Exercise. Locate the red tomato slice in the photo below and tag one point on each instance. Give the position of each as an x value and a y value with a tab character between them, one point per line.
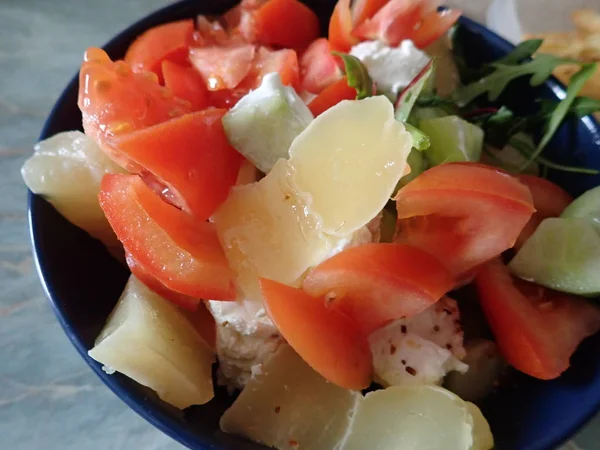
549	199
463	213
190	156
222	67
433	26
393	23
376	283
182	253
318	67
331	96
286	23
155	285
168	42
186	83
114	101
226	98
284	62
340	27
537	330
365	9
325	338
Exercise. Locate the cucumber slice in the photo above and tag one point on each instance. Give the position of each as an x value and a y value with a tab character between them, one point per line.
586	206
452	139
264	123
562	254
419	114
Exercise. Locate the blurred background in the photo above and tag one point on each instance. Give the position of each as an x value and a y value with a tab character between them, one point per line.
49	399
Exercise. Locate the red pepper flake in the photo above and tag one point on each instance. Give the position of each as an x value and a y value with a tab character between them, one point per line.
436	328
277	409
392	349
294	443
410	370
449	346
403	329
403	362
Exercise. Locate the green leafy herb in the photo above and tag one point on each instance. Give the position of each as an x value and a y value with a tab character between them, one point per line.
561	110
411	93
435	101
420	139
581	107
523	143
539	69
358	75
521	52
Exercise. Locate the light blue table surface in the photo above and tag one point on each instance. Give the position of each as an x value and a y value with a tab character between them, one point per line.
49	399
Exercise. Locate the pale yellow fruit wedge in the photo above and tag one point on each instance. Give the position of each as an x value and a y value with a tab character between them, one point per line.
347	162
265	233
151	341
289	406
482	434
411	418
67	169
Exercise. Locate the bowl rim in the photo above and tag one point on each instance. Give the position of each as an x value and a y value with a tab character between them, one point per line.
155	415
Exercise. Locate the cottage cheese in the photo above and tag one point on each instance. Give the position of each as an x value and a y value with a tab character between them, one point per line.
419	350
391	68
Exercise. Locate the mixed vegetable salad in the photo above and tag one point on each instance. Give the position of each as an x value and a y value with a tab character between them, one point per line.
352	227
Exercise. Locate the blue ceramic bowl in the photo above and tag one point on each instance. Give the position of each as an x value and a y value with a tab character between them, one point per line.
83	282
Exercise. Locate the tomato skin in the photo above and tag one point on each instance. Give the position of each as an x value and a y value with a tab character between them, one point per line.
155	285
376	283
324	337
180	252
186	84
340	28
433	26
286	24
549	199
391	24
318	67
536	329
115	101
284	62
463	213
365	9
223	67
331	96
168	42
190	155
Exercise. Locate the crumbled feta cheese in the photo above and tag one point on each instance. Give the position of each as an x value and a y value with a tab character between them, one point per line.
391	68
419	350
246	337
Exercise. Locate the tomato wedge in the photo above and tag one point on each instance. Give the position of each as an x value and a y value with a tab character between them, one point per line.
222	67
376	283
324	337
393	23
190	157
115	101
340	27
463	213
318	67
331	96
140	272
365	9
185	83
286	23
168	42
284	62
180	252
433	26
537	330
549	199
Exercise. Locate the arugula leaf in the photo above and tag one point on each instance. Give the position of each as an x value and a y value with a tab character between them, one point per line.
575	85
581	107
420	139
358	75
493	84
410	94
524	50
524	144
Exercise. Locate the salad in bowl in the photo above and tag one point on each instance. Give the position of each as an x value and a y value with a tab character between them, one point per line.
355	231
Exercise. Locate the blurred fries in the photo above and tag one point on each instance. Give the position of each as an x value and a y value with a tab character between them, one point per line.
582	44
